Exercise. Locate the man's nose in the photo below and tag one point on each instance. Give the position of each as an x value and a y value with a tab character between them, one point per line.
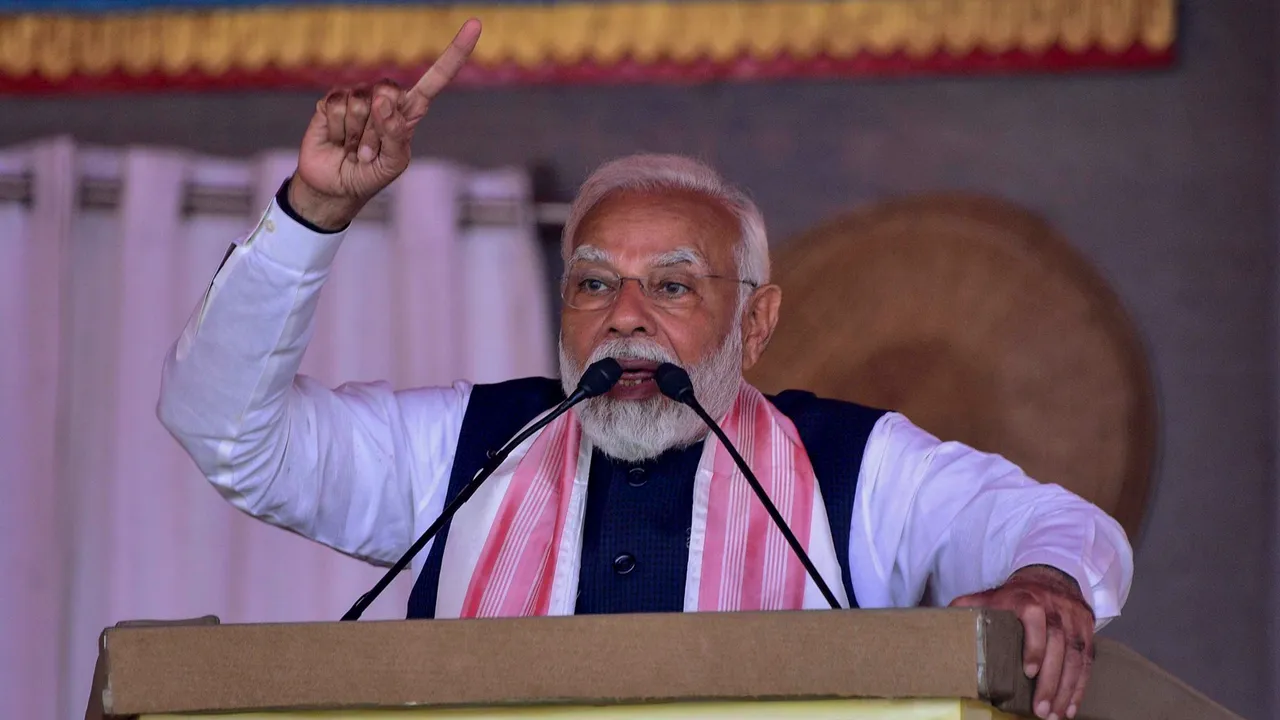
631	313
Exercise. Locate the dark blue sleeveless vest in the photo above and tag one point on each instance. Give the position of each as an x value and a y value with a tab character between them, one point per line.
636	529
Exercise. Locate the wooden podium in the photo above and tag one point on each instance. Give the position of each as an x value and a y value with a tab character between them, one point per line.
921	664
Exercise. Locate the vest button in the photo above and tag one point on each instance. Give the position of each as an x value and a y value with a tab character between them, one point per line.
636	477
624	563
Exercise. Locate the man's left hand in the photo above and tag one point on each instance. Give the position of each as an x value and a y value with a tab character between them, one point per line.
1057	626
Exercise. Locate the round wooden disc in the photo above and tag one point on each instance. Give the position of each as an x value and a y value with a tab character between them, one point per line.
975	320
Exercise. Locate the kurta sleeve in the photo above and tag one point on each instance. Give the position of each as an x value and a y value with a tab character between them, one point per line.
350	467
936	520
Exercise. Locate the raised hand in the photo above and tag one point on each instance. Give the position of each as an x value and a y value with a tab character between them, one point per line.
358	140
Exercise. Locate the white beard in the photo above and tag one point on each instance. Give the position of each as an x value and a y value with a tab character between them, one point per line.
637	430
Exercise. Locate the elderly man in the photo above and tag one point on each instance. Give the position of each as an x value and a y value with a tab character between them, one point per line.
624	504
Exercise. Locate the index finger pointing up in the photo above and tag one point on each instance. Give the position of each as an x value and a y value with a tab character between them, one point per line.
443	70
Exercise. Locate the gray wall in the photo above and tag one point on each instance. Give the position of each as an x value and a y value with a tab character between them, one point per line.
1165	180
1275	518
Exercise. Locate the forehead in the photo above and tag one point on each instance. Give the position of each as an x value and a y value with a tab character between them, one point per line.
636	226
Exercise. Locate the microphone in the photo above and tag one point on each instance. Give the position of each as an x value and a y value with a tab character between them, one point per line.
674	382
598	379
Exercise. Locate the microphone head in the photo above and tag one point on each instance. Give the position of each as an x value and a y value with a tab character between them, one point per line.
600	377
675	383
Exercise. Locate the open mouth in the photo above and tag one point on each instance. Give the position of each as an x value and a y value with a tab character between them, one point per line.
636	372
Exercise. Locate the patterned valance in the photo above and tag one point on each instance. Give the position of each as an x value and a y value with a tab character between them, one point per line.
67	45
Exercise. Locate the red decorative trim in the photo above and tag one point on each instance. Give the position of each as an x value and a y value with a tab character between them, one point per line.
1055	60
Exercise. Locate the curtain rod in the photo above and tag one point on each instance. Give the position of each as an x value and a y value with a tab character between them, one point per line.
100	194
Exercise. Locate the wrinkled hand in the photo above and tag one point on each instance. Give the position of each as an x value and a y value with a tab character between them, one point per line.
358	140
1058	634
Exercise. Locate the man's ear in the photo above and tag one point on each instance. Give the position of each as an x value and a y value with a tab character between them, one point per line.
759	319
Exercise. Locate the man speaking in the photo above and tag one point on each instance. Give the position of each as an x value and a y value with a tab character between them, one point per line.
625	503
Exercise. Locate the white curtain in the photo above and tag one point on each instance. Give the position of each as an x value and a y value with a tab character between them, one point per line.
103	255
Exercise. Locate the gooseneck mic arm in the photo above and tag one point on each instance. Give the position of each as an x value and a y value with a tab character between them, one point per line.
598	379
674	382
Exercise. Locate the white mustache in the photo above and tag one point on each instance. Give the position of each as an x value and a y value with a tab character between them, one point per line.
631	349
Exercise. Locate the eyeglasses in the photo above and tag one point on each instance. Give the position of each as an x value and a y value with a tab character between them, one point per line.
671	288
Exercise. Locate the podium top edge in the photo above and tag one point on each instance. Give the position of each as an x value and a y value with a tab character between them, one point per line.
206	666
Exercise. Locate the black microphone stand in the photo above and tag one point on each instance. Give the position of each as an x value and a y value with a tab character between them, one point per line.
597	380
675	383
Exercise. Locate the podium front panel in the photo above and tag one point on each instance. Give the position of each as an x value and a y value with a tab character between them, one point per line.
920	664
602	659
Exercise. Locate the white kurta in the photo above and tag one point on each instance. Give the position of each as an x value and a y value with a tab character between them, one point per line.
364	468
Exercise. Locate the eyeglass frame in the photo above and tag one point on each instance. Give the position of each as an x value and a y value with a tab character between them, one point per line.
622	279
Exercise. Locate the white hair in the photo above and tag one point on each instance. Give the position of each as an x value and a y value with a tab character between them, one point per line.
645	172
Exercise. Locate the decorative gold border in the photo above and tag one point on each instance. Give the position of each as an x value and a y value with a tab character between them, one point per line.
214	42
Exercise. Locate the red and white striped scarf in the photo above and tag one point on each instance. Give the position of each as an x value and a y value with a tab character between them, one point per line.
515	548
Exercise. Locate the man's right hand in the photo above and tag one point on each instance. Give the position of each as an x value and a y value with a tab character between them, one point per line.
358	139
